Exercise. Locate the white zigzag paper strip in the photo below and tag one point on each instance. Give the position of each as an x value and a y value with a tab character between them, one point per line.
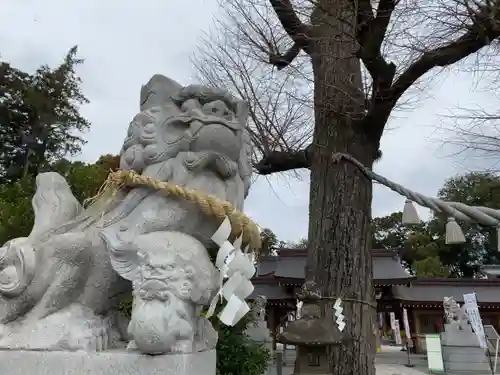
338	313
341	326
235	265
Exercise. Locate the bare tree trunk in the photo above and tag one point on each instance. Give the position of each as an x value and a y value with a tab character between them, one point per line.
339	257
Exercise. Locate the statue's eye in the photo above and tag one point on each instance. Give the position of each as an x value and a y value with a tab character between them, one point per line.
190	104
218	108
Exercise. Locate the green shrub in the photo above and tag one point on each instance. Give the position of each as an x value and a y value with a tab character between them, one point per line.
236	353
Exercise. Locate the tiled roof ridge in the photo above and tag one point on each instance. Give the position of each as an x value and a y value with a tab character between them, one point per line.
432	280
299	253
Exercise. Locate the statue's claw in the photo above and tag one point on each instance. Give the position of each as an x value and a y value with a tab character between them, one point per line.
182	346
88	332
132	346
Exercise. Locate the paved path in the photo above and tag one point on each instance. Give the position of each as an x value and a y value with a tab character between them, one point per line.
397	370
390	362
382	369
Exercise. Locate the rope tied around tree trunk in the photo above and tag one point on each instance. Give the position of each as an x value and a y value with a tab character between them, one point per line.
210	205
370	304
454	210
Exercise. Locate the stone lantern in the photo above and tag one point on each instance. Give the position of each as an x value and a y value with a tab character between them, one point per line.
311	334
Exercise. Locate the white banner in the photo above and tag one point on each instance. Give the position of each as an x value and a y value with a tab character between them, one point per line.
407	324
299	309
395	328
470	303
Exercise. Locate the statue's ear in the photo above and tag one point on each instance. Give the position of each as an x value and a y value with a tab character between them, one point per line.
158	91
123	253
242	112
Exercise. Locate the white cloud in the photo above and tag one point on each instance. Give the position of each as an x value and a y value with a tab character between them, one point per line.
124	43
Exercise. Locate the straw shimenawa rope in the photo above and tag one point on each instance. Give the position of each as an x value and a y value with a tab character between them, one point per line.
460	211
209	204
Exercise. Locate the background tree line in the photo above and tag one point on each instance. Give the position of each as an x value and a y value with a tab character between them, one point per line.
41	126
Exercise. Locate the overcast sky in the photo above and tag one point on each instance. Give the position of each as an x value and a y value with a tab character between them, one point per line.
125	42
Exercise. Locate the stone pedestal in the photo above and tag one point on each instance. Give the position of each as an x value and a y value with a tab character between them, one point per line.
18	362
261	334
462	353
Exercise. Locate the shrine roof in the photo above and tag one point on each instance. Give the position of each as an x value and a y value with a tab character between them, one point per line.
290	264
434	289
271	292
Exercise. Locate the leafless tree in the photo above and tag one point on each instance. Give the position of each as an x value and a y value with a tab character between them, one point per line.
356	60
280	103
474	132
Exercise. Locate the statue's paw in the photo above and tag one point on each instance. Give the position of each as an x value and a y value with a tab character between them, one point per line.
75	328
182	346
206	336
4	330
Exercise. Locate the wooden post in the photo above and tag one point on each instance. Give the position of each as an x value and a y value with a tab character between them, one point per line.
279	359
416	323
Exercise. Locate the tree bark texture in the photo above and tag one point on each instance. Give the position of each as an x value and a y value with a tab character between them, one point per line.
339	257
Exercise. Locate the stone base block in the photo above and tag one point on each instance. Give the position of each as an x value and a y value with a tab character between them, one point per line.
459	338
463	360
18	362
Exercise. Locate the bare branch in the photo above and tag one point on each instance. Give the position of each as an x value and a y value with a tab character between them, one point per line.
476	37
472	134
293	26
282	61
370	35
278	161
280	104
439	57
296	30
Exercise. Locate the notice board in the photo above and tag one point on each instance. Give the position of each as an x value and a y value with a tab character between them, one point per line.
434	354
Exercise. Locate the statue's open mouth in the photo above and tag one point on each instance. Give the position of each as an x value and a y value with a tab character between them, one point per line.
191	124
206	120
154	289
154	283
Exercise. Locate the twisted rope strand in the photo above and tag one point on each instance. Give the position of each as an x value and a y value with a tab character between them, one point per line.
460	211
210	205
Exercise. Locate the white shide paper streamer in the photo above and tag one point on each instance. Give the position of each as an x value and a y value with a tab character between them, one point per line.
338	313
235	265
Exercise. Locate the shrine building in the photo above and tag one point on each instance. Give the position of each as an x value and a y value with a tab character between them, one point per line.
278	278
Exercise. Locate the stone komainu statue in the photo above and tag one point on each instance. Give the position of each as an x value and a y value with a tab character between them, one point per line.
60	286
455	315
